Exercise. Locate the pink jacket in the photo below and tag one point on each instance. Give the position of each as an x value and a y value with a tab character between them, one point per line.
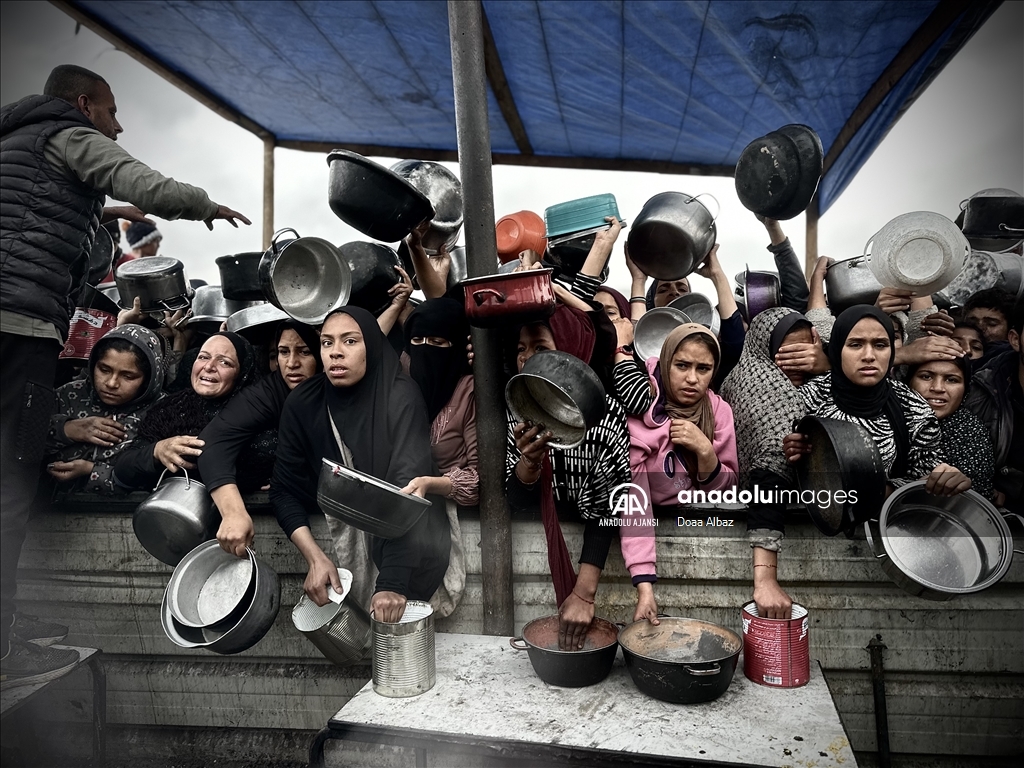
660	473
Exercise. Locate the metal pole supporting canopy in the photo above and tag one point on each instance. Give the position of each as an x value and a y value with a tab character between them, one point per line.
465	23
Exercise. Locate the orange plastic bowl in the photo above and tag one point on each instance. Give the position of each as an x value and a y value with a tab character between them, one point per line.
519	232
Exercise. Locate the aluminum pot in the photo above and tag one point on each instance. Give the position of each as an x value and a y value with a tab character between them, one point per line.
374	271
938	547
159	282
683	661
210	588
444	191
699	309
259	616
459	270
499	300
366	503
374	200
175	519
340	630
843	459
652	329
209	305
240	276
306	277
672	235
984	270
245	320
560	392
851	282
569	669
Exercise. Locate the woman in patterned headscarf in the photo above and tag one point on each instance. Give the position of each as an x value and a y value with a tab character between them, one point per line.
98	415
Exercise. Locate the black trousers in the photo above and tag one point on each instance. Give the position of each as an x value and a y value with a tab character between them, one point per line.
26	404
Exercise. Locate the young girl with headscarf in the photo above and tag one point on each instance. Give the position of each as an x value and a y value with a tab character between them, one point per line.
168	437
365	413
253	416
859	389
575	482
98	416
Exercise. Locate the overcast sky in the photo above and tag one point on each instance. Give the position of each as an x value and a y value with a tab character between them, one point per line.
965	133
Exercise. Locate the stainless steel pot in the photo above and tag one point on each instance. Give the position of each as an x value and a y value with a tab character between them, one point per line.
366	503
210	587
259	616
699	309
984	270
175	519
569	669
255	316
851	282
559	391
444	191
938	547
159	282
210	306
672	235
458	271
652	329
306	277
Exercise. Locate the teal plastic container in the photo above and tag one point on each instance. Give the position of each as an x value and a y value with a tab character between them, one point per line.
579	215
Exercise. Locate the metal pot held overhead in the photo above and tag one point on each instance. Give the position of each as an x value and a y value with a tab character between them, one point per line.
672	235
851	282
444	191
306	277
159	282
374	271
240	276
506	299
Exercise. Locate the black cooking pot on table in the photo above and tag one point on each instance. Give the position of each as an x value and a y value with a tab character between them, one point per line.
843	458
683	661
240	276
569	669
777	174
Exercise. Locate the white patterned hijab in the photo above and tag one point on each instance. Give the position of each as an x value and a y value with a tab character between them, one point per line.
764	401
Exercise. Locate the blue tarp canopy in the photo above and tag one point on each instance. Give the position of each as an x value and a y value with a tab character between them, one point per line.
643	85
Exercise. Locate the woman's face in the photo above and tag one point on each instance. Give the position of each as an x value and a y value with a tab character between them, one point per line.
295	360
866	353
343	350
533	339
117	378
216	368
608	302
690	374
801	335
941	384
670	290
430	341
970	341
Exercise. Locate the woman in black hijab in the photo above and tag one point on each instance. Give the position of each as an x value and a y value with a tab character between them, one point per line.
168	437
254	416
365	413
859	389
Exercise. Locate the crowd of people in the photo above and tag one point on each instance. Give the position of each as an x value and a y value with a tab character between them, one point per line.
938	391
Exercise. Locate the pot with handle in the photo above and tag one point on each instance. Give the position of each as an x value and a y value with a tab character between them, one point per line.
307	277
851	282
499	300
176	518
240	276
672	235
569	669
374	271
159	282
444	191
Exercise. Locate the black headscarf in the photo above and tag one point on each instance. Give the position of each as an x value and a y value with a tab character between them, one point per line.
792	321
437	370
309	335
868	402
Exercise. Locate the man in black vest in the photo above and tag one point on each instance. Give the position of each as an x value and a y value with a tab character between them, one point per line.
59	160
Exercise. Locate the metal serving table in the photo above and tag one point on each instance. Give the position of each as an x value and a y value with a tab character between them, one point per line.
489	703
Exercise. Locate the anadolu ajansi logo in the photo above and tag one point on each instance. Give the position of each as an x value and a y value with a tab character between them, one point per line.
627	499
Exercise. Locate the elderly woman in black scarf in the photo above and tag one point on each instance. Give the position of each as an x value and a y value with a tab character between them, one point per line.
365	413
168	438
859	389
253	416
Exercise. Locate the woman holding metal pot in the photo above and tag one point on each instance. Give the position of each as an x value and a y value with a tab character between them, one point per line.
859	389
362	412
574	483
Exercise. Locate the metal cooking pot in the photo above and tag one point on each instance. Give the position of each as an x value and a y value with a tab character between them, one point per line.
843	458
938	547
458	271
444	191
559	391
652	329
240	276
672	235
306	277
366	503
569	669
101	256
759	291
851	282
508	299
683	661
376	201
210	588
777	175
373	268
176	518
699	309
257	619
245	320
993	220
984	270
568	254
209	305
159	282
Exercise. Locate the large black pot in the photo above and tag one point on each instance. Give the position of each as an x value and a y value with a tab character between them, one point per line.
376	201
683	661
240	276
843	458
101	257
777	174
569	669
373	267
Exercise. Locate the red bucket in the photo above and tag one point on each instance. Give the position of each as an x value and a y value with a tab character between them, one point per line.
776	652
87	327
